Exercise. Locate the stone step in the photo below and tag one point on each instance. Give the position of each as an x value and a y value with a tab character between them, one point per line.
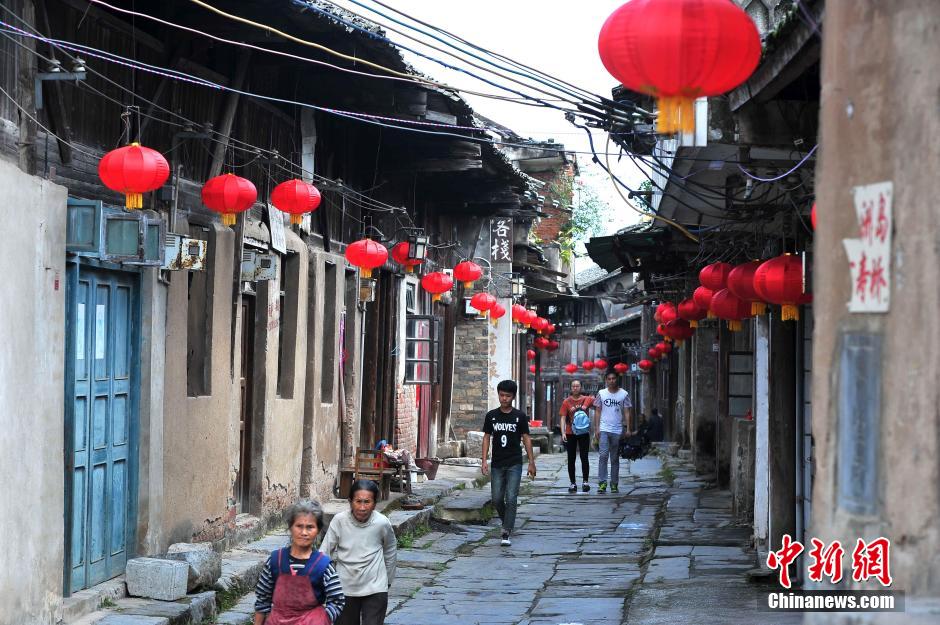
466	506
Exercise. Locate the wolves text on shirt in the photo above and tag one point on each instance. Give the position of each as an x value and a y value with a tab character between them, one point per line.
505	427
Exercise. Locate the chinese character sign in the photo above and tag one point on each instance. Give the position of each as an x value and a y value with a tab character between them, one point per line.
501	240
870	254
870	560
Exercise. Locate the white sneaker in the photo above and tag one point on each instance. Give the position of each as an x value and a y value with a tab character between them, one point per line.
505	542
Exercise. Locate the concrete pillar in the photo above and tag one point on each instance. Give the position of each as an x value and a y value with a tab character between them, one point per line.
762	434
684	395
704	397
782	431
647	381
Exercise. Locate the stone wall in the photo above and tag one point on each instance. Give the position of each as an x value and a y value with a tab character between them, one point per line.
471	375
406	422
743	450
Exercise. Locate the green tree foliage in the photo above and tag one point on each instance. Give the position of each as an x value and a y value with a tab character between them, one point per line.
585	219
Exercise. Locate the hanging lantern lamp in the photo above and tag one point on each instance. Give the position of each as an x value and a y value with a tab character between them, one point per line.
530	317
400	254
518	313
588	365
731	308
437	283
690	311
530	354
540	342
600	364
482	302
531	368
653	353
645	365
812	215
664	347
715	276
679	50
571	367
365	254
667	312
229	195
468	272
741	284
496	313
553	345
702	296
550	329
780	281
621	368
679	330
133	170
297	198
540	324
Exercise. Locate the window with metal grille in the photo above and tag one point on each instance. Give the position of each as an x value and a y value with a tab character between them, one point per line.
422	349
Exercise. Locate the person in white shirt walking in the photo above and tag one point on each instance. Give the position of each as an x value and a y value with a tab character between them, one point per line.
362	543
616	418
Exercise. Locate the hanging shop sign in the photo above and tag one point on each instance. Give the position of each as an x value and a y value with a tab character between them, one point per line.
870	254
501	240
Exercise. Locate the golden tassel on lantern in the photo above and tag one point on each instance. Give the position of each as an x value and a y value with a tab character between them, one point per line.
676	114
790	312
228	219
693	324
711	315
734	325
758	308
134	201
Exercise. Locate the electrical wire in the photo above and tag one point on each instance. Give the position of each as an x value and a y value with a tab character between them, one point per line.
781	176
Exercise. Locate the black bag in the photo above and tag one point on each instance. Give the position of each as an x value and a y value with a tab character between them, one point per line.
636	446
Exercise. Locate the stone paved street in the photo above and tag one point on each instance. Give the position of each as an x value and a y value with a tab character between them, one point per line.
651	554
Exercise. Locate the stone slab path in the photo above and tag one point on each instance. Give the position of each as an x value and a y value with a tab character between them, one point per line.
654	553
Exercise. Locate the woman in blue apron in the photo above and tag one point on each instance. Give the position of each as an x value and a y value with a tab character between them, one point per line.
298	585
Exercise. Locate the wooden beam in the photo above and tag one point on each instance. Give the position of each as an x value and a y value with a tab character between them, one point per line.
228	115
55	109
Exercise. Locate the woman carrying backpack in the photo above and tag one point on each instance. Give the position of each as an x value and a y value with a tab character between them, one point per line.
576	432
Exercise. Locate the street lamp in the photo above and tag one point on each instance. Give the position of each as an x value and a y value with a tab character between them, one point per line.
517	286
417	246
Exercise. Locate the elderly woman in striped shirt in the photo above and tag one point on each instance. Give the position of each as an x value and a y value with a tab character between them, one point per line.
299	585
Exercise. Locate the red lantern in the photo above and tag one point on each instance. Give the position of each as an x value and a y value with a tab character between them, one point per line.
531	368
467	272
726	305
437	283
365	254
690	311
518	313
297	198
133	170
715	276
667	312
571	367
812	215
645	365
530	354
400	256
679	330
664	347
679	50
653	353
600	363
482	302
588	365
741	284
550	329
530	317
553	345
496	312
229	195
540	324
702	296
621	368
780	281
540	342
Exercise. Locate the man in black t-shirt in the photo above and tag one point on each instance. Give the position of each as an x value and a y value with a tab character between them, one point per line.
506	427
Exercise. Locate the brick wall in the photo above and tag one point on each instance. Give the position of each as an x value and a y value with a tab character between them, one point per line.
406	421
470	399
557	187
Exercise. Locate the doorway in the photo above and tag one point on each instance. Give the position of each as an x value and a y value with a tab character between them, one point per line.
101	423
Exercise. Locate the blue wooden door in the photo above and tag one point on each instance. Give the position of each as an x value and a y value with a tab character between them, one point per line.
101	423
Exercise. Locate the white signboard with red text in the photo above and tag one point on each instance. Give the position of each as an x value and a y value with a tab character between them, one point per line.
870	254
